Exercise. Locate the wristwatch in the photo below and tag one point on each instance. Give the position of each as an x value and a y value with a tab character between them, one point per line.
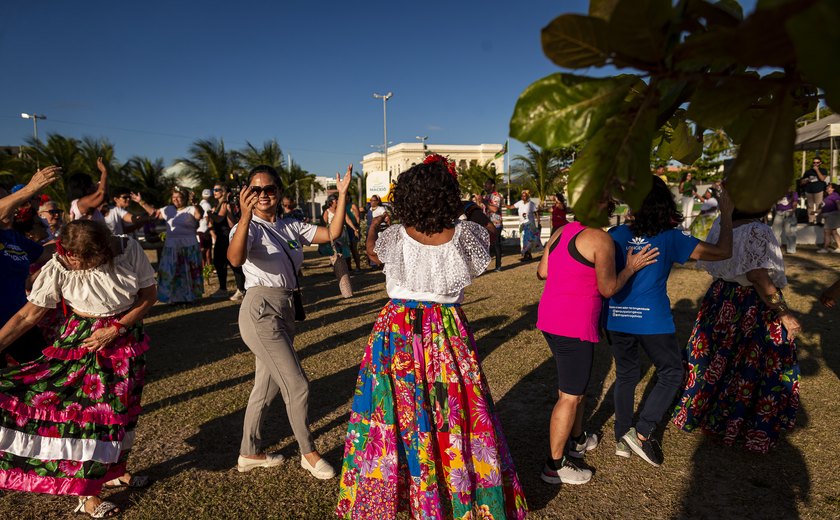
121	329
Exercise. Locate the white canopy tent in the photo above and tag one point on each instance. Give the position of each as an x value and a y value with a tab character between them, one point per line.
823	134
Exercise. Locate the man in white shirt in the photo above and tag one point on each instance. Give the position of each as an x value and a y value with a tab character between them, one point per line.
529	232
204	232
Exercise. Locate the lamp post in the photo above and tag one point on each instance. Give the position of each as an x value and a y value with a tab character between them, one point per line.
384	98
34	118
422	139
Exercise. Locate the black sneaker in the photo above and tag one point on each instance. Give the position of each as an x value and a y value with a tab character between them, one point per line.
648	449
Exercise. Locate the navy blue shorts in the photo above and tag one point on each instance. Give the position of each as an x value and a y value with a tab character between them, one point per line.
573	357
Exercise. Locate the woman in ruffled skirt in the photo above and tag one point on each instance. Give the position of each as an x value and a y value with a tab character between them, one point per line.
742	376
423	434
67	418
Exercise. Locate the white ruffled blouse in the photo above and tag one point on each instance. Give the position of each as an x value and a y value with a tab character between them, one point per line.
754	246
436	273
99	291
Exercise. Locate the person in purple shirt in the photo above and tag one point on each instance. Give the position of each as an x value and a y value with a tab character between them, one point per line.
786	212
830	214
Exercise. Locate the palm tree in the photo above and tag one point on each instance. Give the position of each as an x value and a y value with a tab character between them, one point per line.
147	177
543	169
270	154
298	182
209	162
473	177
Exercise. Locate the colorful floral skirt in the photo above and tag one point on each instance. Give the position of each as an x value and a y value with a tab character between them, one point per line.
180	276
423	434
742	378
530	237
67	418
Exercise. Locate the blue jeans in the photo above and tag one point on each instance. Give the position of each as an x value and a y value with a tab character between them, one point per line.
664	352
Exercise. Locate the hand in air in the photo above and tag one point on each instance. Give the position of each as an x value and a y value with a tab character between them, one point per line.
342	185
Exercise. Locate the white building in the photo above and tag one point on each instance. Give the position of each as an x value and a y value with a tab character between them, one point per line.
403	156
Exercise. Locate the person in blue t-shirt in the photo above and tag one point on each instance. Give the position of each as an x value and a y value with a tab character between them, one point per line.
640	314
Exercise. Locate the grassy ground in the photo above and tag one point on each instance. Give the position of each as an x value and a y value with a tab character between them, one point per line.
201	375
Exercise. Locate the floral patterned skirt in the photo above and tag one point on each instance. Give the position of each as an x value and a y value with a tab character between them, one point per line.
180	276
742	377
423	434
67	418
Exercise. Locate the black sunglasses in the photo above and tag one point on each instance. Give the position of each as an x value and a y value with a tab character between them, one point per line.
53	211
270	190
217	189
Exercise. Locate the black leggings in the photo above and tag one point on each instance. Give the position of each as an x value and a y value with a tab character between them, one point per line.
220	262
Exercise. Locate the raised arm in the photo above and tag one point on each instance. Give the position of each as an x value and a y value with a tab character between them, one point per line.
237	251
723	248
150	210
323	234
40	180
89	202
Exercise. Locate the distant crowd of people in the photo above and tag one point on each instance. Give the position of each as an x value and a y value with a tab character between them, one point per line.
423	434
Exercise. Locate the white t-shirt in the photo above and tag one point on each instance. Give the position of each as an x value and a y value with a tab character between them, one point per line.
202	224
526	211
75	214
114	220
377	211
267	265
180	226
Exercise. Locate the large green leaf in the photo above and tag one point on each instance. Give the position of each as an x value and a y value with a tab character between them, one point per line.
575	41
727	13
615	162
563	109
715	104
816	34
602	9
763	170
684	146
636	29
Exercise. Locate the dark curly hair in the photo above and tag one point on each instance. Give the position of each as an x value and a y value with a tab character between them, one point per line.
88	240
658	212
427	197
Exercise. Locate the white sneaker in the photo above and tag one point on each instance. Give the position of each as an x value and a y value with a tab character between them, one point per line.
246	464
322	469
577	451
822	250
568	474
237	296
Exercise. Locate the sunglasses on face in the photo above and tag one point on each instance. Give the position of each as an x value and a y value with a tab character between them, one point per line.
270	190
53	211
217	189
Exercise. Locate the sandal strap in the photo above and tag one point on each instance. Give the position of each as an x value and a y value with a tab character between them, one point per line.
103	509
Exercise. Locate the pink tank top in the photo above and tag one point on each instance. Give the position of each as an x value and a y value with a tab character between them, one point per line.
571	304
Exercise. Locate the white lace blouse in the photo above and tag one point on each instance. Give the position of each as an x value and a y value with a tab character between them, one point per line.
437	273
99	291
754	246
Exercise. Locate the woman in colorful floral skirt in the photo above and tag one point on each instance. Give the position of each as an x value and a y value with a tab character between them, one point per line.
180	277
742	377
423	433
67	418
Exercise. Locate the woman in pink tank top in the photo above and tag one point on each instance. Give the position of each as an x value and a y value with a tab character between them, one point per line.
579	268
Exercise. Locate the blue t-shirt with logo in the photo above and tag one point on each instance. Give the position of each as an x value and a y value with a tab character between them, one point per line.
643	306
16	253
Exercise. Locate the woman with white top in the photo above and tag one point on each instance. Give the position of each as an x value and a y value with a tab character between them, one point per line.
423	432
742	376
67	418
270	251
180	276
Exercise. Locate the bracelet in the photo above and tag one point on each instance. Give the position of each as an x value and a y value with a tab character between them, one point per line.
781	309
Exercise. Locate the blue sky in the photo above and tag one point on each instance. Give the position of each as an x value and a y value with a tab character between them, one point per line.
154	76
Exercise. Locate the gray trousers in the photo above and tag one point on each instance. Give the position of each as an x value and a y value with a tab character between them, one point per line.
266	323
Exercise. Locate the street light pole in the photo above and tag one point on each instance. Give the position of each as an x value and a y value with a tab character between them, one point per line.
422	139
34	118
384	98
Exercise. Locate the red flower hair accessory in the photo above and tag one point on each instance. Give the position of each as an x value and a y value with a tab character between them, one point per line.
437	158
59	248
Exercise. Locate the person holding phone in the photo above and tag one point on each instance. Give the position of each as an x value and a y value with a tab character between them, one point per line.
270	251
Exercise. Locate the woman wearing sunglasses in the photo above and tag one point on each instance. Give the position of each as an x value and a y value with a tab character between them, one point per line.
270	251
